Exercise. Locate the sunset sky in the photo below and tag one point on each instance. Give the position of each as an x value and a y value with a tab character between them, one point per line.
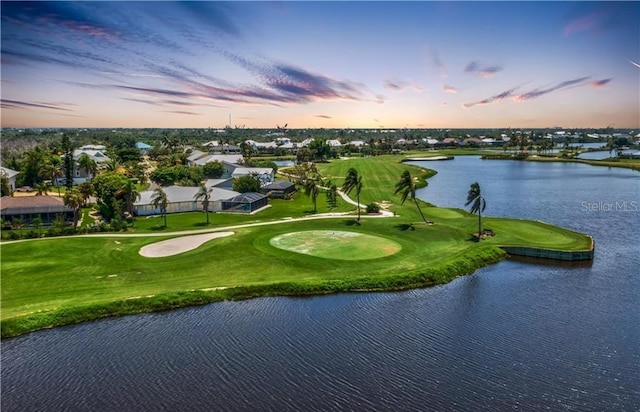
321	64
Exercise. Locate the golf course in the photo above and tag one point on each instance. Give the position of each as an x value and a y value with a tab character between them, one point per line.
283	250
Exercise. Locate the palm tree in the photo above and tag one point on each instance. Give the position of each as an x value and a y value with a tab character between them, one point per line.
478	204
112	165
353	181
86	189
130	194
52	169
407	187
74	199
204	194
88	164
159	199
311	189
37	222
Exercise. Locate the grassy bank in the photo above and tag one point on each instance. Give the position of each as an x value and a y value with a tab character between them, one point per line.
51	282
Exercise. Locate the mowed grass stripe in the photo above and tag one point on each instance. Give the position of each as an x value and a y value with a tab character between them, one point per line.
336	244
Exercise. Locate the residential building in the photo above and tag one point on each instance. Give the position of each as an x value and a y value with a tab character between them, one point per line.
11	176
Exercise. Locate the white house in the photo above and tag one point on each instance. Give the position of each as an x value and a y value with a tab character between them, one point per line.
11	176
264	174
334	143
182	199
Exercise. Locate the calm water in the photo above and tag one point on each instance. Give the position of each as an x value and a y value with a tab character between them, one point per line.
512	336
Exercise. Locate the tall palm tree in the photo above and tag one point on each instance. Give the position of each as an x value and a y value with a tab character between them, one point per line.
74	199
353	181
52	169
407	187
204	194
88	164
477	202
311	189
159	199
130	194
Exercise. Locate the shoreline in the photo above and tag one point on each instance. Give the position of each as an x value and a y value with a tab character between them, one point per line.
443	273
458	264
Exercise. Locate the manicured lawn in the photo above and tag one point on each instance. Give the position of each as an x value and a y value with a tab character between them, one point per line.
56	281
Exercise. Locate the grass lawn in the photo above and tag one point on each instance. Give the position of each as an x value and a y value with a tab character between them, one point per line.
54	281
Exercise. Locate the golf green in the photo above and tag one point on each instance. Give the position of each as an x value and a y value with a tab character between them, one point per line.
336	244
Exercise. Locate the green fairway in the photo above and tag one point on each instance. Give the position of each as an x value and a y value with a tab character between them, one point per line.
279	251
336	245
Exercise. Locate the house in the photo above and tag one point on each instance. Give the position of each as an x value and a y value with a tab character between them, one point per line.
181	199
195	156
10	175
230	162
27	208
280	189
334	143
80	175
245	203
143	147
221	183
264	174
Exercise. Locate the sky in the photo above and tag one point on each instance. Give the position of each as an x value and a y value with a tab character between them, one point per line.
320	64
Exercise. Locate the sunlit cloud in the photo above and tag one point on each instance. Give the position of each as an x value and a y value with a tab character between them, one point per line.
449	89
635	64
476	69
182	112
17	104
534	94
583	23
600	83
492	99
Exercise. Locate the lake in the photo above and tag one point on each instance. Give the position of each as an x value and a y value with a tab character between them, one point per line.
512	336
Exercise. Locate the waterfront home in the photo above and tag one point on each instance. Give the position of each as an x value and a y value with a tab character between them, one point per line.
27	208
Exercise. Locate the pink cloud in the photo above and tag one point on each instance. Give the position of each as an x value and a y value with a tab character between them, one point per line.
583	23
600	83
449	89
492	99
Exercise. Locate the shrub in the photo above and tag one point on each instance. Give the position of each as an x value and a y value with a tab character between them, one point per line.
373	208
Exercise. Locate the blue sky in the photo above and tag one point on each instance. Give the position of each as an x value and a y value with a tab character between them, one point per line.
321	64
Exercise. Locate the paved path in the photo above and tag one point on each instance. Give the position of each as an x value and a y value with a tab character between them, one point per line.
335	215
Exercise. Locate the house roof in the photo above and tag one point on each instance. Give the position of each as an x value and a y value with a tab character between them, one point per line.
32	205
96	155
230	159
8	172
218	182
141	145
195	155
248	197
279	185
180	194
241	171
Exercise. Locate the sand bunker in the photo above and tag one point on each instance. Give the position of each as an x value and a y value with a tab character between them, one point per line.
179	245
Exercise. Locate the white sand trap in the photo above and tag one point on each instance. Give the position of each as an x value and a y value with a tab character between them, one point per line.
178	245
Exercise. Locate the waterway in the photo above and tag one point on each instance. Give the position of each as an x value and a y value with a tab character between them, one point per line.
512	336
